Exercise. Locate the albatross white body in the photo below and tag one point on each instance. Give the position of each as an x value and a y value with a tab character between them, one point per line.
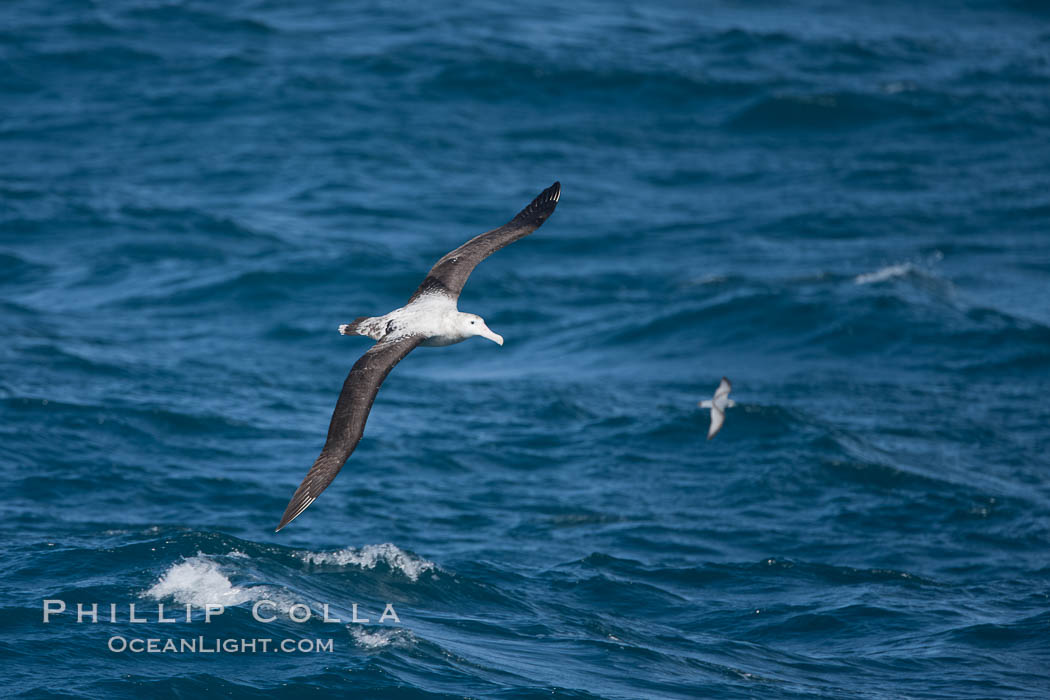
431	317
434	316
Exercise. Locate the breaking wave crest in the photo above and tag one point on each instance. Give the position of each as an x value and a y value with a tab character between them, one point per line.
884	273
372	555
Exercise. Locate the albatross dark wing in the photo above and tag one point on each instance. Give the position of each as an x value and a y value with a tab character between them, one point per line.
451	272
348	420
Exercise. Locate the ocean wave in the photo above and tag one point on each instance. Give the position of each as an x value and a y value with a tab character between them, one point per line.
884	273
374	639
819	111
98	57
198	18
198	581
261	283
923	275
16	269
370	556
722	573
576	82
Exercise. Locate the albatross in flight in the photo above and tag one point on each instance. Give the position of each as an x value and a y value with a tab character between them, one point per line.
718	406
430	317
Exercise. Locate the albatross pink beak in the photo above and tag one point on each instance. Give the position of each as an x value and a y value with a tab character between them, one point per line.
494	337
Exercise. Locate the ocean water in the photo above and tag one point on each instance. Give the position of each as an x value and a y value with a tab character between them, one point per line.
845	210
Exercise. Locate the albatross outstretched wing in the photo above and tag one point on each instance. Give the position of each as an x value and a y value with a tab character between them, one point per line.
348	420
724	387
718	417
450	273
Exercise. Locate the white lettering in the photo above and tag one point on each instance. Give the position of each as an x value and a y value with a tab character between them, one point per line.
212	609
93	613
160	614
291	613
326	618
50	609
260	618
389	614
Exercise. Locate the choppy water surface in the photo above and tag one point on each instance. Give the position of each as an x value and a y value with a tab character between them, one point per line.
843	210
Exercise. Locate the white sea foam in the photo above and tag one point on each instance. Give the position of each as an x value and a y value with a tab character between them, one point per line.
368	556
202	580
885	273
198	581
377	639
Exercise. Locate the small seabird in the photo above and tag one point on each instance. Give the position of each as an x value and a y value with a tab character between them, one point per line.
718	406
430	317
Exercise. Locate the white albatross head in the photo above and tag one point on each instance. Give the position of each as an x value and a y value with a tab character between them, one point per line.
472	325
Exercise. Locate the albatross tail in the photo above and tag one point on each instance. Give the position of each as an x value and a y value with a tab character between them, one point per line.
355	326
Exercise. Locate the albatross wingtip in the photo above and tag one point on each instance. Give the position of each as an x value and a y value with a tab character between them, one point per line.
299	503
540	208
553	193
284	521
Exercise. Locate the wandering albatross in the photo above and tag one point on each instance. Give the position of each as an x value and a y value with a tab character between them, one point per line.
430	317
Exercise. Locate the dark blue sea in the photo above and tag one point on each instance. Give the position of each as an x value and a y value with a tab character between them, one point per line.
843	208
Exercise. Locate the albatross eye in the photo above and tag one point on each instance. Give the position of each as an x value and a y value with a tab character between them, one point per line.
472	323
